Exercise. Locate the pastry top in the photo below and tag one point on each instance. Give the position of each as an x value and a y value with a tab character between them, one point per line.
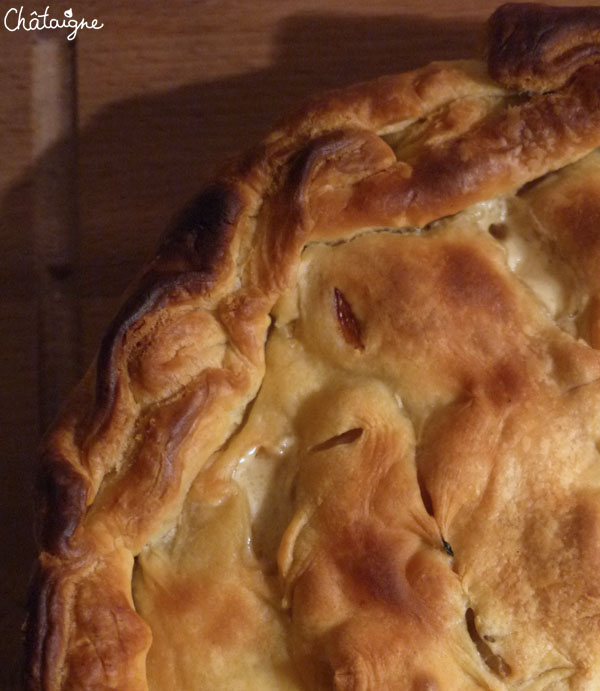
343	433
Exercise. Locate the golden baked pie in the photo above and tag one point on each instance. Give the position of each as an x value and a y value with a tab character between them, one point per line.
345	432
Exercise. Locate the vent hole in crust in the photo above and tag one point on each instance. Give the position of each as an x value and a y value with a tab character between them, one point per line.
425	496
347	437
498	231
349	324
448	547
495	662
532	183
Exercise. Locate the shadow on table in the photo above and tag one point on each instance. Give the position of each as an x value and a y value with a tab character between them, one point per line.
139	161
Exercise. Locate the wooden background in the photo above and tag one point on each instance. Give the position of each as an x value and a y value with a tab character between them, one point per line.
102	142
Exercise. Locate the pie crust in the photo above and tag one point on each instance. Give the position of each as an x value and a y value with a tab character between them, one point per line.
344	433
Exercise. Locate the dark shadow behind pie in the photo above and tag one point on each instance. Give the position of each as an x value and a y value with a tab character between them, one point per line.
344	432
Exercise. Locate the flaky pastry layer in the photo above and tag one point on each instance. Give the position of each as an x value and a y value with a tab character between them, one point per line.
344	432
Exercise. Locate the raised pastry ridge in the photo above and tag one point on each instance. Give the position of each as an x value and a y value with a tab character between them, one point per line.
148	438
535	47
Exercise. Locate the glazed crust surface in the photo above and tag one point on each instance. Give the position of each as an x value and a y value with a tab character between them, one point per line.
344	431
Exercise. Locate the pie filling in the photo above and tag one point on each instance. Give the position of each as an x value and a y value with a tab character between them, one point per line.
372	523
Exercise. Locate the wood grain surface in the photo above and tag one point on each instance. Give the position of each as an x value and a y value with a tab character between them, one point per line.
101	142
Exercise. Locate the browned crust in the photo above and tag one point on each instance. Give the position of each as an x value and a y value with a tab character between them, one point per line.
38	641
189	259
62	492
537	47
504	151
324	171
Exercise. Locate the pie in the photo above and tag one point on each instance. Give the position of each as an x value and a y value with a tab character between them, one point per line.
345	431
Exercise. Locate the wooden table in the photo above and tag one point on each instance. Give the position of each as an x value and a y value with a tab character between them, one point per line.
103	140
